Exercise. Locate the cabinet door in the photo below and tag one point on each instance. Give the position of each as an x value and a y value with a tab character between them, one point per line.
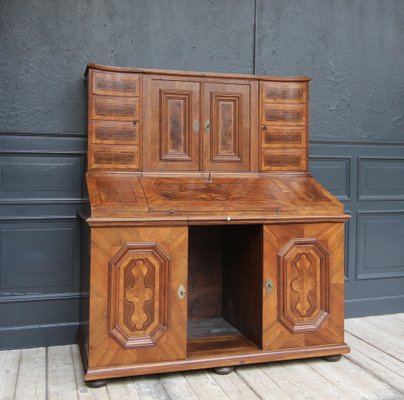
173	125
226	127
138	308
303	285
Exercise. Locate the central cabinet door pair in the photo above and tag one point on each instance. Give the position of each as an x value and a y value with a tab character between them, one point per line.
281	296
197	125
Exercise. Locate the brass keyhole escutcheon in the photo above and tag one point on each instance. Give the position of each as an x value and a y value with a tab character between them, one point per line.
207	126
269	285
181	292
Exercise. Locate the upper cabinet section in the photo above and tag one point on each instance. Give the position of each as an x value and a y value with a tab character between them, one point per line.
148	120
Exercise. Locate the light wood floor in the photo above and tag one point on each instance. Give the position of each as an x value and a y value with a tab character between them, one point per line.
374	370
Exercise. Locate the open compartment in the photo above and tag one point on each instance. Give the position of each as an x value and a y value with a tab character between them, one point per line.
225	289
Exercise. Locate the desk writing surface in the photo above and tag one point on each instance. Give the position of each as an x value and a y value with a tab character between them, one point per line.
146	196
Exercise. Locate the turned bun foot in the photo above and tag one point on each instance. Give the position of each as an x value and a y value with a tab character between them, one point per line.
97	383
333	358
223	370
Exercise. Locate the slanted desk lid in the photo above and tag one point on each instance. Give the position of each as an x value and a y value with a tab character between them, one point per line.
145	197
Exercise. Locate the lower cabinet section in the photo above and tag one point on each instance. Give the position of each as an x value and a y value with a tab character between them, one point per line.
176	298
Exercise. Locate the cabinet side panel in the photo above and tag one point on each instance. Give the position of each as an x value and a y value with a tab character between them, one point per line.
84	282
242	280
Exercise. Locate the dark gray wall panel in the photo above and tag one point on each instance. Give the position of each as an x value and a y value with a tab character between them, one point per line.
374	255
38	257
45	46
380	244
33	177
381	178
353	50
41	181
335	171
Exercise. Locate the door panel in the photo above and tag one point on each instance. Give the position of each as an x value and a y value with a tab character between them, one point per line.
136	314
174	125
305	264
227	123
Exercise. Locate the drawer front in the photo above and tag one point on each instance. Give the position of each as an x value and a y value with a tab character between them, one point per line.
115	132
115	157
117	108
281	114
282	136
284	92
283	159
115	84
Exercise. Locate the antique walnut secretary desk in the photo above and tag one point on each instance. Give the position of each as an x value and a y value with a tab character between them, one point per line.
210	243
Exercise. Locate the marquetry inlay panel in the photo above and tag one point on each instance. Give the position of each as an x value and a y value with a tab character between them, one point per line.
175	126
226	127
137	306
304	285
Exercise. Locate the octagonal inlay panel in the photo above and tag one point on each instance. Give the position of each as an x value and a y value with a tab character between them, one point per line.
137	304
303	285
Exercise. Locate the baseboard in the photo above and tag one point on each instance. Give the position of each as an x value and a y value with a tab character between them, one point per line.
19	337
374	306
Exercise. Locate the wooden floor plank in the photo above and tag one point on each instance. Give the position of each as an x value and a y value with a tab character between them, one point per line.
150	388
177	387
234	387
394	327
376	362
122	389
31	381
261	383
315	382
355	382
61	382
373	370
9	366
376	336
399	316
84	392
204	386
293	385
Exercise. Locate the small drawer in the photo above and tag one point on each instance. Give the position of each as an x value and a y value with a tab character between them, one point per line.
284	114
117	108
114	157
281	136
115	84
283	159
284	92
115	132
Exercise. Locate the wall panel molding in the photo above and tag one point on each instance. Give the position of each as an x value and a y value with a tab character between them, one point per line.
380	250
380	178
